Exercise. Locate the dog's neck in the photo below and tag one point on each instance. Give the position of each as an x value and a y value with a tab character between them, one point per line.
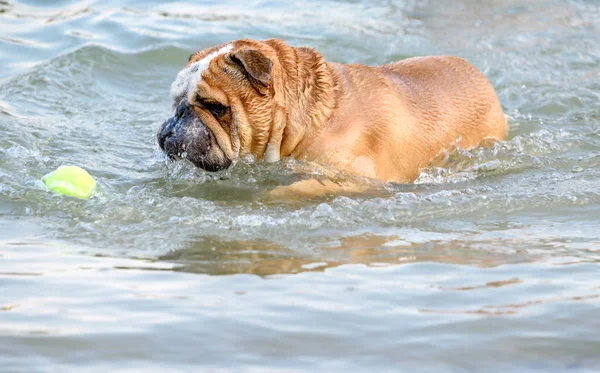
305	101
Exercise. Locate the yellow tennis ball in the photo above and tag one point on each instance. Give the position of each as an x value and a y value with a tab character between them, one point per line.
71	180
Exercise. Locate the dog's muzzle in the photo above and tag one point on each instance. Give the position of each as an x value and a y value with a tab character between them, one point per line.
185	136
172	131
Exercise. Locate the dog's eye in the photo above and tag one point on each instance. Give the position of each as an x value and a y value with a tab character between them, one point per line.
215	108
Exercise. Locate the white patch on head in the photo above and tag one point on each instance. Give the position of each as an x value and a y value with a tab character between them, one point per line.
189	77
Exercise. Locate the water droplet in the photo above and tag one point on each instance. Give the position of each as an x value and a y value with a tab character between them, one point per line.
323	210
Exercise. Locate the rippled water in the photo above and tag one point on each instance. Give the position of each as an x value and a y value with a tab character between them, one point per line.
489	264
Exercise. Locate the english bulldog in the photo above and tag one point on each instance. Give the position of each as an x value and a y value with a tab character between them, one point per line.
272	100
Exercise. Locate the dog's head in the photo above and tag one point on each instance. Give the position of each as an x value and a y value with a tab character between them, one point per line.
223	105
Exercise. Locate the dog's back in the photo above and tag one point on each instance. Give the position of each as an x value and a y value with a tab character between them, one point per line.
396	118
449	96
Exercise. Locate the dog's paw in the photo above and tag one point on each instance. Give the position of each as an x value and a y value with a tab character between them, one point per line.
312	188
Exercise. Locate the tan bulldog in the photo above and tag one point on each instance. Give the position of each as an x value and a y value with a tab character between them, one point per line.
271	100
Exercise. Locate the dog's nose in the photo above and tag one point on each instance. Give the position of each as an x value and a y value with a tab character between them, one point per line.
166	135
166	132
182	110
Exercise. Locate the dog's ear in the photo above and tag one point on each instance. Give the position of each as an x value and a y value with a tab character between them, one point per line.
256	66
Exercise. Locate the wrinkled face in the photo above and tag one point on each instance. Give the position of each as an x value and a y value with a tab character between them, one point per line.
221	107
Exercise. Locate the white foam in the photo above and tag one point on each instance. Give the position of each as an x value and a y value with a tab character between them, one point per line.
189	77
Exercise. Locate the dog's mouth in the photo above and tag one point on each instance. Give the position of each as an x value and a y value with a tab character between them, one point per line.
184	136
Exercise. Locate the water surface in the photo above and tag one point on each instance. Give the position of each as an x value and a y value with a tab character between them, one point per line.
490	264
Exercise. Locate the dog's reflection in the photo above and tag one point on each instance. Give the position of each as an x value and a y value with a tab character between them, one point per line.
214	256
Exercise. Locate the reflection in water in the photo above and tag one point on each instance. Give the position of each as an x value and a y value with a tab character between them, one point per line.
215	256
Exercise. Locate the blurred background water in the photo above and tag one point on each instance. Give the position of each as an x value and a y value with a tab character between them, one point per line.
488	265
